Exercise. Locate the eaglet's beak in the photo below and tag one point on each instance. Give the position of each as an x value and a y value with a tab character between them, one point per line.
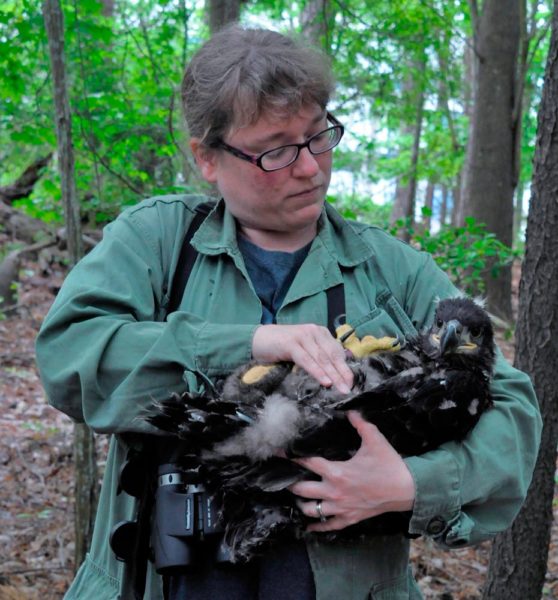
451	337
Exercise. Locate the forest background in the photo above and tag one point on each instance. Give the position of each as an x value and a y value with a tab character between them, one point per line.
439	100
415	78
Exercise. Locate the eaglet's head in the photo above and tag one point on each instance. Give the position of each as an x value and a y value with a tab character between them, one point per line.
462	328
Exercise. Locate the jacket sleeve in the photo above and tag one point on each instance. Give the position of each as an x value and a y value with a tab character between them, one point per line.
472	490
104	352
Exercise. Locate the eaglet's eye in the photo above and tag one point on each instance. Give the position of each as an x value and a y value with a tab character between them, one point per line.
475	331
439	323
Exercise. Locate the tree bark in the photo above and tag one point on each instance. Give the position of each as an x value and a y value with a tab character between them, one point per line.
444	106
85	490
429	205
9	276
222	12
405	193
444	206
518	211
519	556
55	30
108	8
457	218
314	21
490	167
469	75
84	445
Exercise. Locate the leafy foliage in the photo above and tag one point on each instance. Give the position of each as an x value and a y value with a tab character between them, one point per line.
464	253
125	60
362	208
124	69
25	113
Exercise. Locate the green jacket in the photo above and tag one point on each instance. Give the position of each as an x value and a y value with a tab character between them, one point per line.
105	352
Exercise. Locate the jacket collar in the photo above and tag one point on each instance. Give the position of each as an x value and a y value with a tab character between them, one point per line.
337	240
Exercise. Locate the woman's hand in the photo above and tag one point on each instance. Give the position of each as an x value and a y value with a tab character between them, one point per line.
309	346
375	480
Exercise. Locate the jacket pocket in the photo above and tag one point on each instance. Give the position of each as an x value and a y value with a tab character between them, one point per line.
396	312
386	319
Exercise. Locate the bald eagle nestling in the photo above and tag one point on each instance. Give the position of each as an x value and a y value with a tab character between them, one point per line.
431	391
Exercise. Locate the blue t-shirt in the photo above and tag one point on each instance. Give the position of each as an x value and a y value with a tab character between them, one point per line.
271	273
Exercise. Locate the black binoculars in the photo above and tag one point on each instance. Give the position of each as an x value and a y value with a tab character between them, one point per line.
184	528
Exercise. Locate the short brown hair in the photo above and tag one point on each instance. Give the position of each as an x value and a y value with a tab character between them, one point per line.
239	74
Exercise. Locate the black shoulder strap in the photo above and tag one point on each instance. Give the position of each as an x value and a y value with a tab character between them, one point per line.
187	257
335	306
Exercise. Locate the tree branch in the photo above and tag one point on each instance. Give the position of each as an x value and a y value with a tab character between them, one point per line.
23	185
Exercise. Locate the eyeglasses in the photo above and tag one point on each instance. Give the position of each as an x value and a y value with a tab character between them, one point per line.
283	156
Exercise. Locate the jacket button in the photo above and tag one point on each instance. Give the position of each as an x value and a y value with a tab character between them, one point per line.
436	526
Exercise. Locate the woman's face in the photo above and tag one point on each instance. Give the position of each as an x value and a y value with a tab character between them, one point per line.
277	210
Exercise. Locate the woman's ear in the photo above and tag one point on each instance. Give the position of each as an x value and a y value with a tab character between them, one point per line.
206	159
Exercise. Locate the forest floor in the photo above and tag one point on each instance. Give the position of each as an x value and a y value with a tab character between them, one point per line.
36	512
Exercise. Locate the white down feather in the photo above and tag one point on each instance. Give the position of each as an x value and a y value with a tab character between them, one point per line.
275	427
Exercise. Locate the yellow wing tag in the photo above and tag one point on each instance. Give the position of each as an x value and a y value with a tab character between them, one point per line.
368	344
256	373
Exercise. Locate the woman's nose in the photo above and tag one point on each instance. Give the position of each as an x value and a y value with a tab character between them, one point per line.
306	164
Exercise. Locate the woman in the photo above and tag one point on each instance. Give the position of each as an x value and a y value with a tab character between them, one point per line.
256	107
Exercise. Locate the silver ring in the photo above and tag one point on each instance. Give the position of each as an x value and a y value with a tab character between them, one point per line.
323	518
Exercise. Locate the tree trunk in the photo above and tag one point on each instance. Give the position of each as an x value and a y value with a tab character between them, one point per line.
428	205
314	21
84	445
405	194
222	12
85	490
469	77
444	206
55	30
518	211
489	173
457	218
427	209
444	106
519	556
9	276
108	8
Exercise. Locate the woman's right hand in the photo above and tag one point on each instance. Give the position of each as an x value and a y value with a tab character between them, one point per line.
311	347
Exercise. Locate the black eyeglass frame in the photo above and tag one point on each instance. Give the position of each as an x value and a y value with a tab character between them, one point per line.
257	159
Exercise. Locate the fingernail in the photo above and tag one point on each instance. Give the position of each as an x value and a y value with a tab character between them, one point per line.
344	388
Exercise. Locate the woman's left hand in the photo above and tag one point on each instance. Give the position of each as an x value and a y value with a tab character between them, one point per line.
375	480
